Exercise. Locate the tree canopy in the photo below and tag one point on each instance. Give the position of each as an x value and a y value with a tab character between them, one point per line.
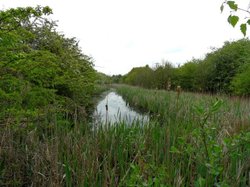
224	70
40	69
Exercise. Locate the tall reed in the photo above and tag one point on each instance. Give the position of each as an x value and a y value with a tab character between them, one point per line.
168	151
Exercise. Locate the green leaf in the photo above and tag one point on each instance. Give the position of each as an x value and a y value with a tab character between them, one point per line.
232	5
248	22
199	110
200	182
233	20
216	105
243	28
222	7
173	149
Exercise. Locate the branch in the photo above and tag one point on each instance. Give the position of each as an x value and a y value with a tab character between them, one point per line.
244	10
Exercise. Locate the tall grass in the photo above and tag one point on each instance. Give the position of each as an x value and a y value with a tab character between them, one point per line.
206	138
169	151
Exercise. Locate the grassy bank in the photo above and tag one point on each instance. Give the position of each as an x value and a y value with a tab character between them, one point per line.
193	140
199	139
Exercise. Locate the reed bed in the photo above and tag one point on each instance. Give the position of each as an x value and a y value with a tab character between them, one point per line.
206	138
195	140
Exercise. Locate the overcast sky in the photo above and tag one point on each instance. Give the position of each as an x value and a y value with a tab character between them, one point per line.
122	34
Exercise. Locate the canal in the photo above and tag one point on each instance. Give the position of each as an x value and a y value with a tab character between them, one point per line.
113	109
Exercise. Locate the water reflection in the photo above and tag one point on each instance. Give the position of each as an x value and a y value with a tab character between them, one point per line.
113	109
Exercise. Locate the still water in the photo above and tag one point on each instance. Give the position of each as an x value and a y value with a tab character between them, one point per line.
114	109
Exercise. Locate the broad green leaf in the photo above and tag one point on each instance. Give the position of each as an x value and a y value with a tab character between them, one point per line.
243	28
232	5
248	22
233	20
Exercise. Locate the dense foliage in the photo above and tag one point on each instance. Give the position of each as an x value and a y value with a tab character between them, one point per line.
224	70
41	71
47	87
197	140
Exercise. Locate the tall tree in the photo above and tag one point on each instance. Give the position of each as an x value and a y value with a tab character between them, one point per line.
42	67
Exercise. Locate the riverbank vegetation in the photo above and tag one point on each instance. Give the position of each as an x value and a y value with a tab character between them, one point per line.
224	70
198	140
45	82
43	74
191	140
47	91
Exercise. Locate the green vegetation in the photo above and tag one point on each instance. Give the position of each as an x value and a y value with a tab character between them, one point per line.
197	140
224	70
47	91
234	16
46	83
192	140
42	73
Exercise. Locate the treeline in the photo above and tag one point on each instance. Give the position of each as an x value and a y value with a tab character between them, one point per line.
224	70
43	74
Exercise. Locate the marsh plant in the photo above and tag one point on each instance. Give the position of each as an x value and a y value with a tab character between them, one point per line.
204	142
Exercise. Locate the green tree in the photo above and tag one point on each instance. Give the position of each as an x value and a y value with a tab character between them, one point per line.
163	75
223	64
40	68
241	82
187	76
140	76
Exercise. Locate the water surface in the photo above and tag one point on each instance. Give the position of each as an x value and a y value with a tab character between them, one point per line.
114	109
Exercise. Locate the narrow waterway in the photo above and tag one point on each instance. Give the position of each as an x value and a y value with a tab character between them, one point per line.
113	109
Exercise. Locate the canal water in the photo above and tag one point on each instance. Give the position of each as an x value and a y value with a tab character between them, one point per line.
113	109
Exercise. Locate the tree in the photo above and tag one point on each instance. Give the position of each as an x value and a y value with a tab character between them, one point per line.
140	76
163	75
222	65
187	76
241	82
40	68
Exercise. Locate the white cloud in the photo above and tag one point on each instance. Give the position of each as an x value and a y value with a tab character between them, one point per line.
121	34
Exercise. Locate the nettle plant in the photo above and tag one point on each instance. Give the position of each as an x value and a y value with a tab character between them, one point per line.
234	17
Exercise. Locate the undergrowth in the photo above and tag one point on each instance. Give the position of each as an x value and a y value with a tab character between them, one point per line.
197	140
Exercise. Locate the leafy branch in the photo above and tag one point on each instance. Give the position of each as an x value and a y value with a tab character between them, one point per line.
204	115
233	19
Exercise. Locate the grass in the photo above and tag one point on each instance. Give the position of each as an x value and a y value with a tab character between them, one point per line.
195	140
201	132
